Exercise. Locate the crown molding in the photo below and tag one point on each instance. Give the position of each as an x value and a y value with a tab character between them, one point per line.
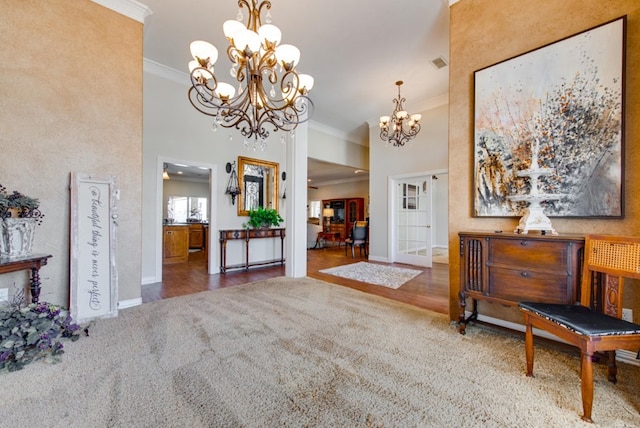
160	70
341	181
129	8
325	129
434	102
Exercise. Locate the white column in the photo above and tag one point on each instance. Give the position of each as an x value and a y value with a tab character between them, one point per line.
296	203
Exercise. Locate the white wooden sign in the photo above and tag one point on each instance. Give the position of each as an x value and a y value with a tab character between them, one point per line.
94	279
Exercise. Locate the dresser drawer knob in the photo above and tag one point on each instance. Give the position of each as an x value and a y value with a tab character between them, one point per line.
524	274
524	243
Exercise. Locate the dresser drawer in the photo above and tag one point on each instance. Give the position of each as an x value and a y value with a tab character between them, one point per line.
529	253
519	285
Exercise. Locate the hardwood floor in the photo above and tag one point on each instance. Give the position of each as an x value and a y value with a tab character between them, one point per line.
429	290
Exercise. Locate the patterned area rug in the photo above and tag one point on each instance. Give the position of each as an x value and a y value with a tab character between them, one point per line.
387	276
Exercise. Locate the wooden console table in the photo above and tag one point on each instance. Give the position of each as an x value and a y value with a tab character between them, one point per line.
33	262
508	268
247	235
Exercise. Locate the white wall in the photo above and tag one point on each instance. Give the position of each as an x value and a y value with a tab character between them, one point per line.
427	152
440	205
336	148
174	130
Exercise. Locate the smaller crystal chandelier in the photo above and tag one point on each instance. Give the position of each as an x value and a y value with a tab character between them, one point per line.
270	92
403	126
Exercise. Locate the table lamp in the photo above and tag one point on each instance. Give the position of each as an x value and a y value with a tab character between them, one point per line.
327	213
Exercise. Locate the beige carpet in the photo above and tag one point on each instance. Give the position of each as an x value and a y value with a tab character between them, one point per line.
387	276
289	352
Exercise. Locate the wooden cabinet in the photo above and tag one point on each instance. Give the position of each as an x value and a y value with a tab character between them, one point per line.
196	236
508	268
345	213
175	244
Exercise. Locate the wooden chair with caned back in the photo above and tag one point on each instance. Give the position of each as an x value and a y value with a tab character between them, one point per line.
594	325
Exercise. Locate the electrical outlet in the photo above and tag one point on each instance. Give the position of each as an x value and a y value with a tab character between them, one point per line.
4	295
627	314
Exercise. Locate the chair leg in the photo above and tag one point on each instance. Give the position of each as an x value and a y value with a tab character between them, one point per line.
612	368
586	381
528	348
353	251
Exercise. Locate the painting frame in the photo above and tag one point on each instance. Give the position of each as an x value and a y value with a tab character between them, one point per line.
565	102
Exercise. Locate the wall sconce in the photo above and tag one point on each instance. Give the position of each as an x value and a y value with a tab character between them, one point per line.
165	175
284	178
327	213
233	188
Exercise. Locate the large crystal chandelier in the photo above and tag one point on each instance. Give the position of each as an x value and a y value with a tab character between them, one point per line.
400	127
270	95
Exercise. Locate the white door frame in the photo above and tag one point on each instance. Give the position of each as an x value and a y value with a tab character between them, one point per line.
391	212
213	211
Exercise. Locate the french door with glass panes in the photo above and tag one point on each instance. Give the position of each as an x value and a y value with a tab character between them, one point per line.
412	221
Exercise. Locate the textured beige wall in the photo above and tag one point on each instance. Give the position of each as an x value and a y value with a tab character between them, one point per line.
484	32
71	100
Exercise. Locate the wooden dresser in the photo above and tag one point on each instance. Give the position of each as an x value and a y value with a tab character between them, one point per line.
508	268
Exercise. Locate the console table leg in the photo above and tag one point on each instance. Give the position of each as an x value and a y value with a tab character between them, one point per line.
35	285
223	256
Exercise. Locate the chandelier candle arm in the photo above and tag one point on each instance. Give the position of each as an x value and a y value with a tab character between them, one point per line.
400	127
270	92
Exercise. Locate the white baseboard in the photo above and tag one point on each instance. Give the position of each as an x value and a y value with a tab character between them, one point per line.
621	355
129	303
149	280
379	259
627	357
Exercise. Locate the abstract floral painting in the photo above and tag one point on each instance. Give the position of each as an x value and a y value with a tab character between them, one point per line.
566	99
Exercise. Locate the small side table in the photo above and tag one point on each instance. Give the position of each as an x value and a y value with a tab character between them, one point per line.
33	262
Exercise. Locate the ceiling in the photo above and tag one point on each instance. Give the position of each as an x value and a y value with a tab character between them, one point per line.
356	50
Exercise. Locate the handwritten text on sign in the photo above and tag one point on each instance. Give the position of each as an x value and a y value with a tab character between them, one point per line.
93	250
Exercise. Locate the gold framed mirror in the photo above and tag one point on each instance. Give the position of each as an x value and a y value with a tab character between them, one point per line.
258	180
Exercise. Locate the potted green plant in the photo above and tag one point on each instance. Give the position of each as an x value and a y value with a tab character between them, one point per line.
262	218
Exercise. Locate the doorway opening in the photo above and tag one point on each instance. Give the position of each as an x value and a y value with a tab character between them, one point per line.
187	199
418	218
